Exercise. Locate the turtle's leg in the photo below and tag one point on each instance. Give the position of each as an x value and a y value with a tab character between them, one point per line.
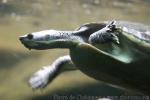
41	78
104	35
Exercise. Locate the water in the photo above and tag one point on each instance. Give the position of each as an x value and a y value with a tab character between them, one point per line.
18	17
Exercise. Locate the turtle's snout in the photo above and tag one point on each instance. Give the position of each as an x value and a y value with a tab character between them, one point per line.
29	37
22	38
25	40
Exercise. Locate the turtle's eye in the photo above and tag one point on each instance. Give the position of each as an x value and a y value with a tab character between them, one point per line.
30	36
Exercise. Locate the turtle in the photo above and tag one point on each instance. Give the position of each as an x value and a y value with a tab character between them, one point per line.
114	52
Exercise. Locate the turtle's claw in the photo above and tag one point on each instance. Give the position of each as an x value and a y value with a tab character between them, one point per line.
112	26
39	79
36	82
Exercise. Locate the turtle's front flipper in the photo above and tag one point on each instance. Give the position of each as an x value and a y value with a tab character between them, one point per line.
105	35
45	75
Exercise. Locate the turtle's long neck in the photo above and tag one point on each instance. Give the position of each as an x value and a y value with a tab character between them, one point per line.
60	39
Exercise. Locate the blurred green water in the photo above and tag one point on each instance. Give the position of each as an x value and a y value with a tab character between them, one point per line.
18	17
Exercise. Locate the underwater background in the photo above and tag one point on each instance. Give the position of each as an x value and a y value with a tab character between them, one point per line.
17	64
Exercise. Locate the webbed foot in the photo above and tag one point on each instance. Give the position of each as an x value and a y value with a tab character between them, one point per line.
107	34
40	79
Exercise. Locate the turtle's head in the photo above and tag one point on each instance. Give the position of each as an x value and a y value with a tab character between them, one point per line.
48	39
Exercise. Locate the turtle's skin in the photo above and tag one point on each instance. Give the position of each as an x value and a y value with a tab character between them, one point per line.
117	53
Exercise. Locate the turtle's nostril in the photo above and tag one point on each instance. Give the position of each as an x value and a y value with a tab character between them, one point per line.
21	38
30	36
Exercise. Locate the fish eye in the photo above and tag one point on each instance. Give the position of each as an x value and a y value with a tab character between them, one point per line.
30	36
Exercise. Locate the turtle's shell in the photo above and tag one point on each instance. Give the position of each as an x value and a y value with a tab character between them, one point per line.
125	64
133	25
137	33
134	40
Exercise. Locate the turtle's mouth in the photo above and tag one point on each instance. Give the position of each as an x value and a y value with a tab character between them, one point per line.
34	44
30	44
